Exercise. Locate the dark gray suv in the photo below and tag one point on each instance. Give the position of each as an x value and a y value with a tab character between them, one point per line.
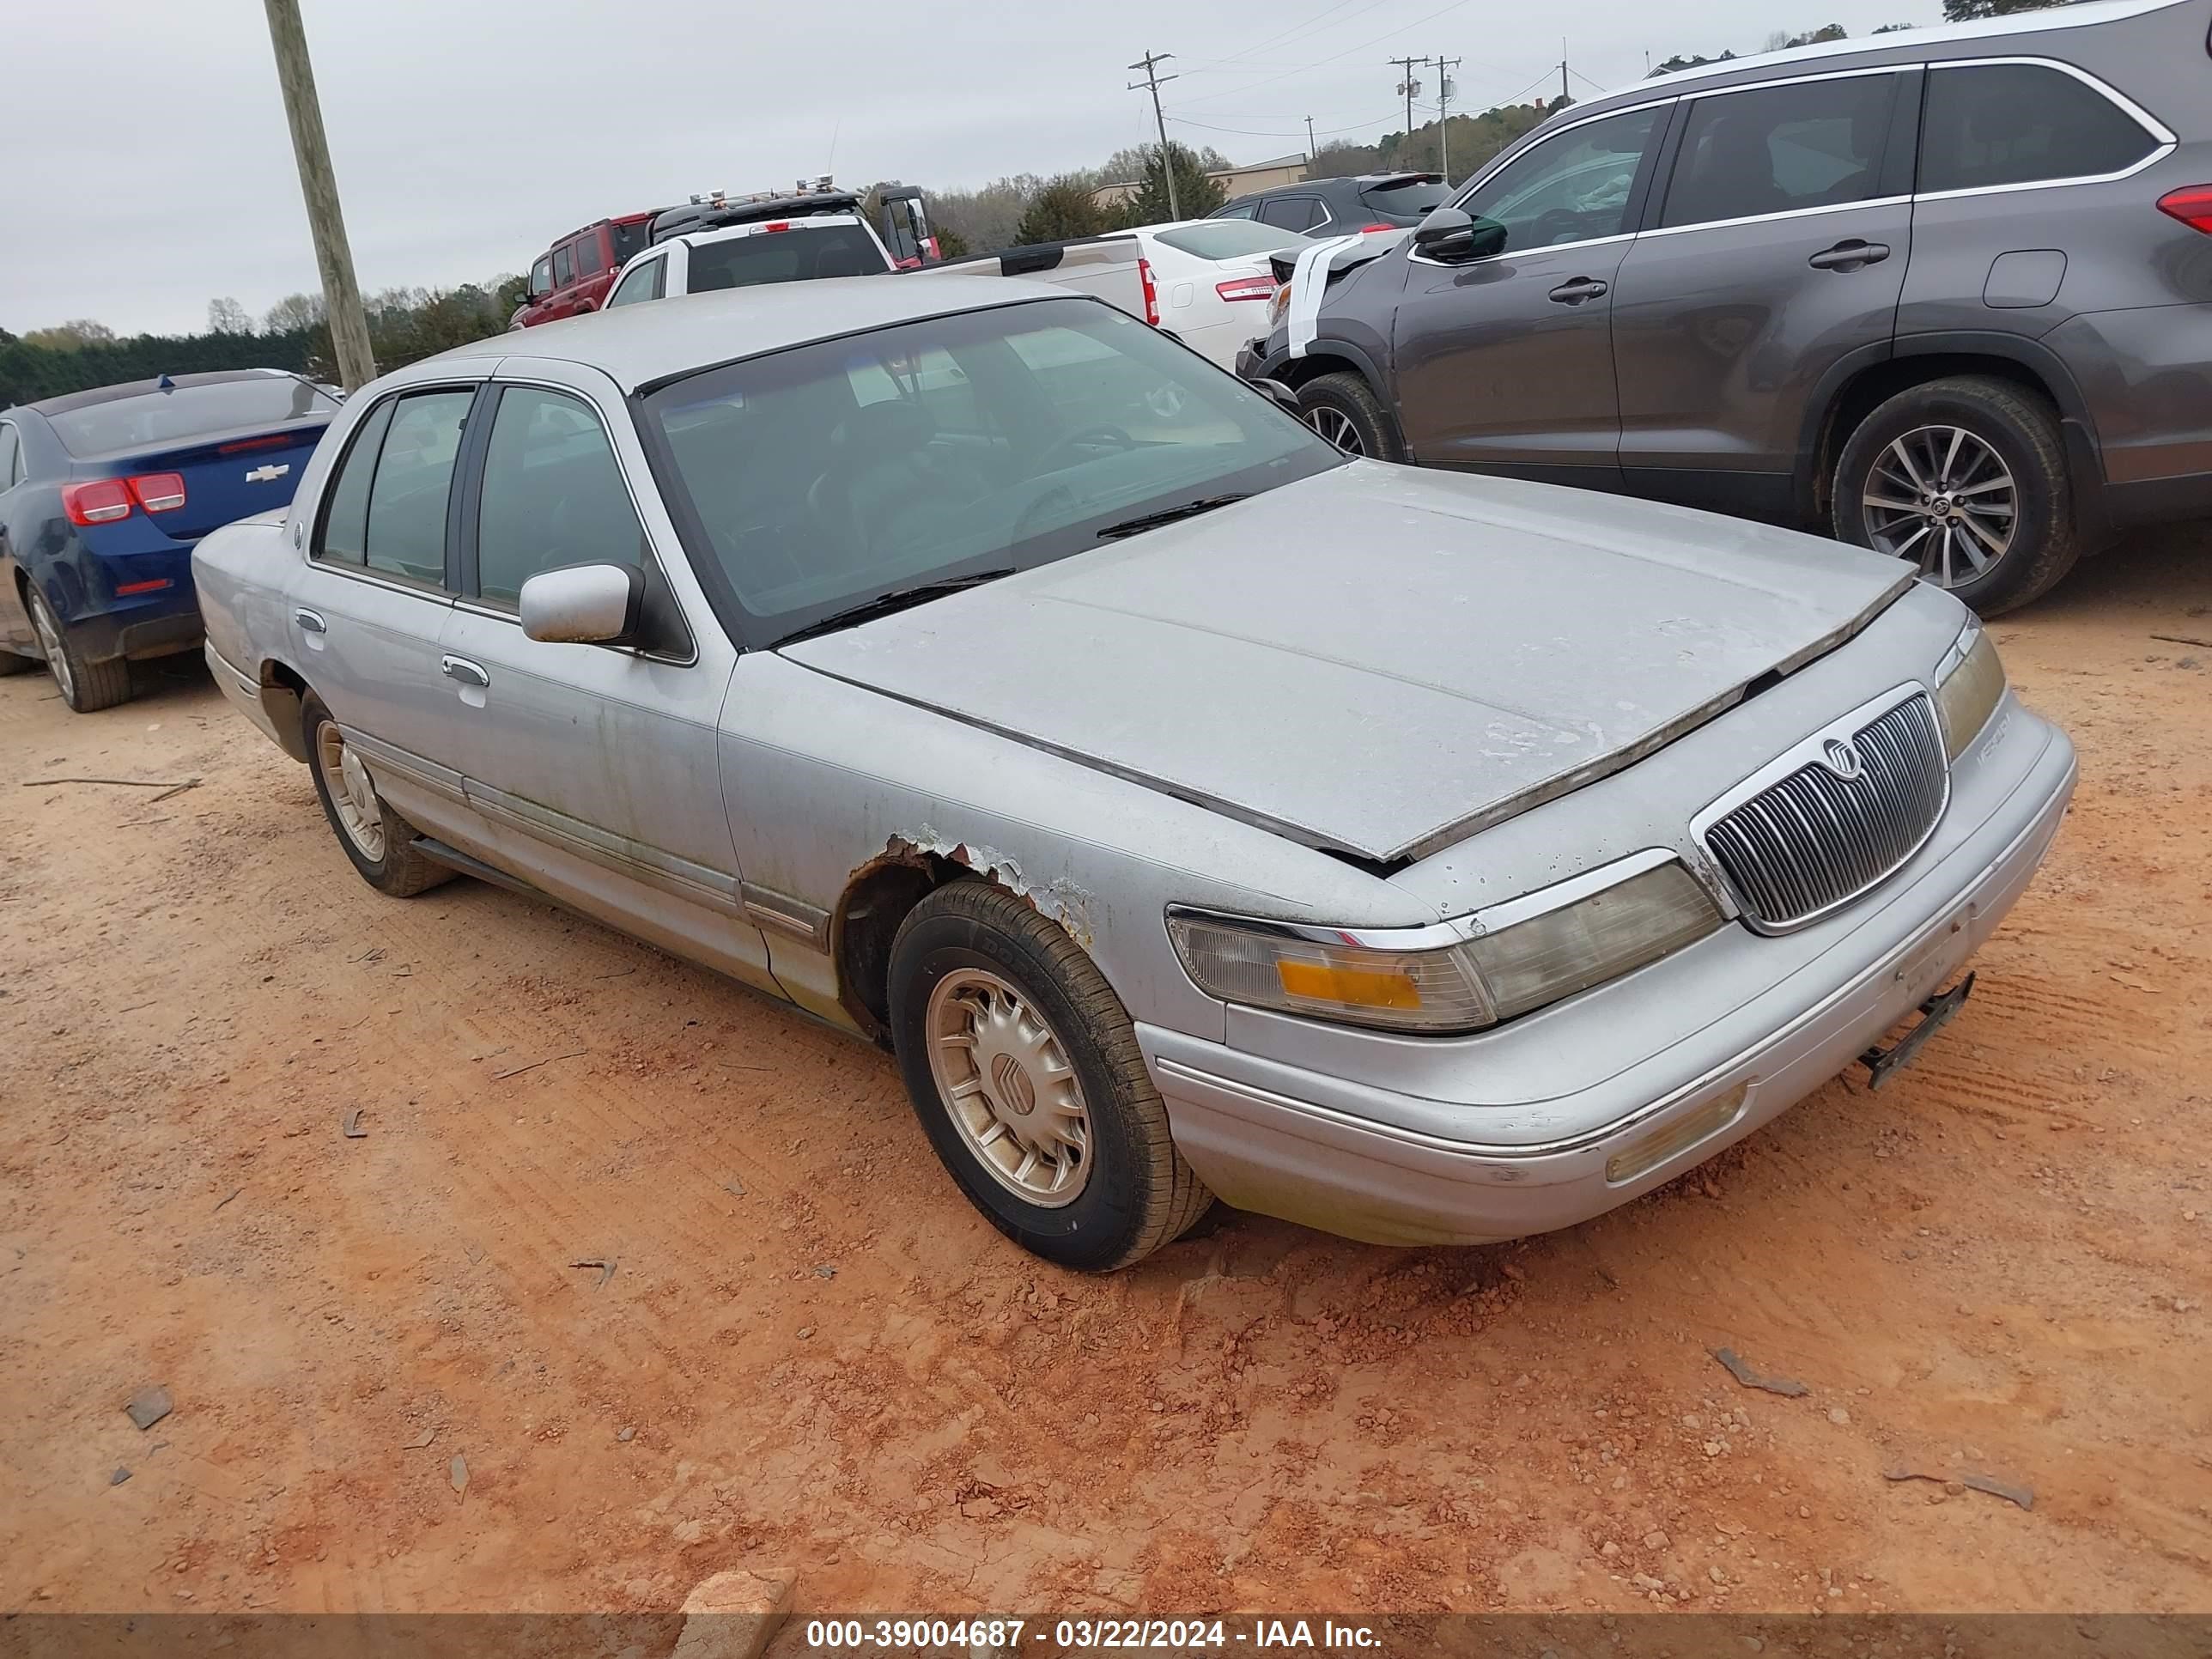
1947	293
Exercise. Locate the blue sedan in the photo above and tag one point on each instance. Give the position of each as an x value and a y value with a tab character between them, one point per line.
104	494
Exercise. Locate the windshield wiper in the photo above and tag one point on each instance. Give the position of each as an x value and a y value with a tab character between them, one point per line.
899	598
1144	521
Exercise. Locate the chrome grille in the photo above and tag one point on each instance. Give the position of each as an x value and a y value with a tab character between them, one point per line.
1820	837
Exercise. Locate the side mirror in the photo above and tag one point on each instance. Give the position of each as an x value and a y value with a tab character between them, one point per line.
1281	396
1452	237
585	604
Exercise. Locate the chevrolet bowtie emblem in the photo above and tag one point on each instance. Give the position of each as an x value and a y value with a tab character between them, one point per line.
266	474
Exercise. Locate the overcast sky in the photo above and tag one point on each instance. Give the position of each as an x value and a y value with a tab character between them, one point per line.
150	169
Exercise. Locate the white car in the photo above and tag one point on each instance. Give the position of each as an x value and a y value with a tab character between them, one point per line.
793	249
1211	281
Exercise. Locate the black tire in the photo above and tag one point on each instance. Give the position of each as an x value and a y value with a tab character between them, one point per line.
86	686
1137	1193
1345	409
2021	428
401	871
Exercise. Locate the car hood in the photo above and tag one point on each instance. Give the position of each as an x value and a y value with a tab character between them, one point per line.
1378	660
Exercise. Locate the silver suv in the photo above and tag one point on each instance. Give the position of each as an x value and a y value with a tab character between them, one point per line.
1945	292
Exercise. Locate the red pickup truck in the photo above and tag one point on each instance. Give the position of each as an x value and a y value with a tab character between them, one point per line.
573	276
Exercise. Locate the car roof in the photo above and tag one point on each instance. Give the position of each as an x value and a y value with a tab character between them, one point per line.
109	394
1907	42
638	346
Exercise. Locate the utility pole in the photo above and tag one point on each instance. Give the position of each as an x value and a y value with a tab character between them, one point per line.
1409	87
1444	67
1563	69
1152	83
1312	155
295	73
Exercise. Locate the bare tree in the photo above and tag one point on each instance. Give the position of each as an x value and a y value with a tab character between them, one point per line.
295	312
227	316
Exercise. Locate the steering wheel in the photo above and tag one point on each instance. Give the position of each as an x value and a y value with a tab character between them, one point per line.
1056	498
1100	434
1559	225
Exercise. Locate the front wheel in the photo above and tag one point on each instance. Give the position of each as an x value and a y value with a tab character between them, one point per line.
1024	1069
1965	478
379	842
1344	408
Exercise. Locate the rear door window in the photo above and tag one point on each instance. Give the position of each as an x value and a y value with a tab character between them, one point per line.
1293	212
553	494
387	507
1991	124
1776	149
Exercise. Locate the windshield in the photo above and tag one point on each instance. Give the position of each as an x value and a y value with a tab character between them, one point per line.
152	419
796	255
812	480
1231	238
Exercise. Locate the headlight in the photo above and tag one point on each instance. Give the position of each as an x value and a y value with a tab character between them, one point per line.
1505	961
1969	684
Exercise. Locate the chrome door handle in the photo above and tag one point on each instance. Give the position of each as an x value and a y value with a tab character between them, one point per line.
310	621
1850	255
1582	288
464	671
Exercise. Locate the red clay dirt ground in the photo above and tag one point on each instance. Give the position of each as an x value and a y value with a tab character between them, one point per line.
811	1353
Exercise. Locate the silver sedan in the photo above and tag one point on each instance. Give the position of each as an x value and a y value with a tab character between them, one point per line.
1193	812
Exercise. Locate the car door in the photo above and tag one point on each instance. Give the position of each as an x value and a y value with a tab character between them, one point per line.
369	609
593	768
1505	363
1774	255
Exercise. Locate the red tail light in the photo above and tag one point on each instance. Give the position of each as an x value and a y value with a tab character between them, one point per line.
2192	205
776	224
1151	291
159	492
102	502
1247	288
1363	230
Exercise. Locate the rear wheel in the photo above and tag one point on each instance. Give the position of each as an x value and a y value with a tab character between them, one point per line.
1345	409
1024	1069
380	842
1965	479
86	685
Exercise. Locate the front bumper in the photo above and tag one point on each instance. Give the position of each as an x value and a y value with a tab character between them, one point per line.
1349	1158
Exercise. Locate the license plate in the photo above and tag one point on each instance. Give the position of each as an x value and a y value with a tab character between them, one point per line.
1935	1013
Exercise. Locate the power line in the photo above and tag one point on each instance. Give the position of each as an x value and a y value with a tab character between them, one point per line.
1258	132
1310	24
1153	80
1337	57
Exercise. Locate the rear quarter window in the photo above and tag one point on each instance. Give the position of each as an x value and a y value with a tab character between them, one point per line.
1989	125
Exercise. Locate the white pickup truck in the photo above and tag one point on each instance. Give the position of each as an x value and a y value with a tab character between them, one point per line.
1206	281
